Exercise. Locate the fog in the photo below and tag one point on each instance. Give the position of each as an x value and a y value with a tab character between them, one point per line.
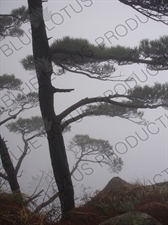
111	23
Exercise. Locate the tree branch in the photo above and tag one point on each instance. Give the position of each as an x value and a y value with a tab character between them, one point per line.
150	10
61	90
33	197
76	165
101	58
18	165
7	119
26	147
7	15
108	100
4	176
89	113
87	74
42	205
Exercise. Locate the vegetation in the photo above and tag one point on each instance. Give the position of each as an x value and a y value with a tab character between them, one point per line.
100	207
77	56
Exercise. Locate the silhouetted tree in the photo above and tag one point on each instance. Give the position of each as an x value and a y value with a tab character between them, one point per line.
79	56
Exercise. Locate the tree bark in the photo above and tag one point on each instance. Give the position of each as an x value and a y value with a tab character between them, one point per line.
8	167
57	151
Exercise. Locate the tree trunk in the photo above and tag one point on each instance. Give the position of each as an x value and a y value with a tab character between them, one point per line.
43	65
8	167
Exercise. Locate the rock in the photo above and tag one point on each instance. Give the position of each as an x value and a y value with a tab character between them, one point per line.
115	186
157	210
116	182
132	218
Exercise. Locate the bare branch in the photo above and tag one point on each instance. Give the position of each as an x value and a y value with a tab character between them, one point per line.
36	135
26	147
24	153
7	119
33	197
11	117
76	164
42	205
61	90
4	176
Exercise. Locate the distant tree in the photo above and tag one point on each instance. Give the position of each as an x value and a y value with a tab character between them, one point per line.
19	104
26	127
83	147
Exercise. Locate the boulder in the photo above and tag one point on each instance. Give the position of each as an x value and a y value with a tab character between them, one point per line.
132	218
157	210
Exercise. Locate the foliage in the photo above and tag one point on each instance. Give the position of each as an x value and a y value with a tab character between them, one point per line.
28	62
153	9
157	94
9	82
10	24
155	49
84	146
80	44
26	126
80	56
24	101
29	125
109	110
13	212
77	52
93	212
20	101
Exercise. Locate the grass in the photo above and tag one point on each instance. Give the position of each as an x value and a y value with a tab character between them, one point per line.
108	203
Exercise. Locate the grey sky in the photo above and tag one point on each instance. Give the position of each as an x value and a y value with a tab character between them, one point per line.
94	21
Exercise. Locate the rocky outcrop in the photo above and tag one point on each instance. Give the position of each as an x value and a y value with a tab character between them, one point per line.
132	218
157	210
115	183
115	186
123	203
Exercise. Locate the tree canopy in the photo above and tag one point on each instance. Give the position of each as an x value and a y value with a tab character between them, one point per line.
154	9
9	82
77	55
11	25
84	146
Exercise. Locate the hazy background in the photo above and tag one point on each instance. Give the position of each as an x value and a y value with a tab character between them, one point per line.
149	158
